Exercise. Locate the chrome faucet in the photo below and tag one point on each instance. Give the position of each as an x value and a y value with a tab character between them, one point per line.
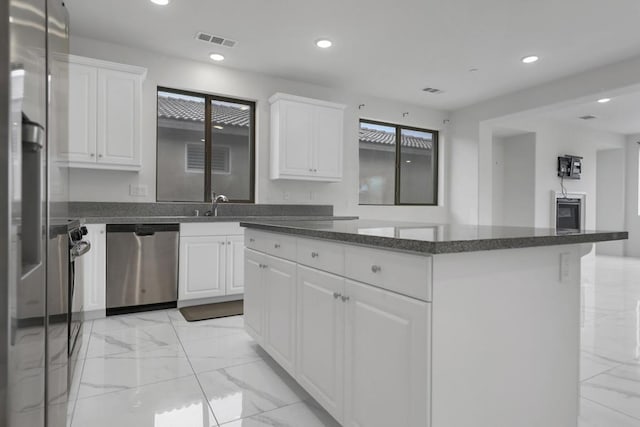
215	200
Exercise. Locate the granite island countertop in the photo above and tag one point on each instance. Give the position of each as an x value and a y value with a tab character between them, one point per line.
431	238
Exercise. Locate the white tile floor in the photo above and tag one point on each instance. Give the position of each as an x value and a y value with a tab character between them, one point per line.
157	370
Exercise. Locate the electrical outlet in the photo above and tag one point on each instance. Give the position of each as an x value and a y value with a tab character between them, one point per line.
565	267
286	195
139	190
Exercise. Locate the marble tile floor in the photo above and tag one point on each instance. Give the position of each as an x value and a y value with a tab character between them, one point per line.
157	370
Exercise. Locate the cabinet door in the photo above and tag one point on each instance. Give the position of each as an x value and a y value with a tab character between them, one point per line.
82	115
235	265
320	337
202	267
328	135
118	135
387	358
280	302
92	268
254	295
296	138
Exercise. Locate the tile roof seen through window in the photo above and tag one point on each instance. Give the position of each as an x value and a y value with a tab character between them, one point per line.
184	109
376	136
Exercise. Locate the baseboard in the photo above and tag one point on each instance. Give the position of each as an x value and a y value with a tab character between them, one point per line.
200	301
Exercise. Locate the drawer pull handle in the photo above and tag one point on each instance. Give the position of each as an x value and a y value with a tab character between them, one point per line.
277	245
252	240
376	268
263	266
315	254
344	298
336	295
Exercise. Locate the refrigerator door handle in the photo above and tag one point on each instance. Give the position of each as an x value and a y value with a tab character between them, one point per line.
33	137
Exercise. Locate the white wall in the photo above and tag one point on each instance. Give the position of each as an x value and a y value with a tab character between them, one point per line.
470	138
89	185
610	197
632	220
556	139
514	168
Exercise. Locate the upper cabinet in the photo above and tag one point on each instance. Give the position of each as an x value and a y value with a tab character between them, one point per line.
105	110
306	138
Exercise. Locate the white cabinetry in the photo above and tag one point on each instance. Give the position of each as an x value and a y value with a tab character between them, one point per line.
306	138
386	358
361	351
270	305
211	260
320	338
105	108
91	269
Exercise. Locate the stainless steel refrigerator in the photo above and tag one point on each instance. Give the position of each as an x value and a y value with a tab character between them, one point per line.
33	214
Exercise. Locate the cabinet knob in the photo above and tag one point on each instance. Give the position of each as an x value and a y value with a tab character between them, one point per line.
344	298
336	295
310	170
99	156
222	243
376	268
315	170
315	254
92	155
252	240
277	245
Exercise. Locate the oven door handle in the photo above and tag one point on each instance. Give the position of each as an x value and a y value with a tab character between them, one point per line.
80	249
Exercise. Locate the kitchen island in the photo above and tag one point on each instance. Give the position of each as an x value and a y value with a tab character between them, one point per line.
416	325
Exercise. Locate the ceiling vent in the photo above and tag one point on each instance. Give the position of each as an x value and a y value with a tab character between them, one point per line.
217	40
432	90
587	117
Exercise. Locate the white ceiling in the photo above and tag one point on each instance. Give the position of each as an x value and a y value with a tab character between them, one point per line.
391	49
620	115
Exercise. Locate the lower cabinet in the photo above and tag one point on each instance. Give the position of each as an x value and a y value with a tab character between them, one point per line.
254	295
320	338
269	305
386	358
202	267
362	352
210	265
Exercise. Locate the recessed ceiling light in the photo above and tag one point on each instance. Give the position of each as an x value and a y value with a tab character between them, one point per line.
473	69
160	2
407	161
218	127
324	43
216	57
244	107
604	100
11	20
530	59
202	139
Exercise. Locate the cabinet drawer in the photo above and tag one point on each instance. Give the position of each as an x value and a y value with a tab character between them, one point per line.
395	271
321	255
274	244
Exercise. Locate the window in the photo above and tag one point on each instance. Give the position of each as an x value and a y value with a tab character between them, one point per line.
205	144
397	173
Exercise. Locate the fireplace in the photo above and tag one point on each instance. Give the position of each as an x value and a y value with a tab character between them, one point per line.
568	211
568	214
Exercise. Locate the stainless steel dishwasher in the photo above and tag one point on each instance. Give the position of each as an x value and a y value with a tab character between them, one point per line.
142	267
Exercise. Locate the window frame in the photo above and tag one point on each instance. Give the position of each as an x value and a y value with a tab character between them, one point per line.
398	165
208	142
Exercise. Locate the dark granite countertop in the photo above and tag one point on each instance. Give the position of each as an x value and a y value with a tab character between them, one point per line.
156	219
431	238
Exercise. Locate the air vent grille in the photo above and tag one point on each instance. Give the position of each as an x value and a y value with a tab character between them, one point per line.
217	40
432	90
587	117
